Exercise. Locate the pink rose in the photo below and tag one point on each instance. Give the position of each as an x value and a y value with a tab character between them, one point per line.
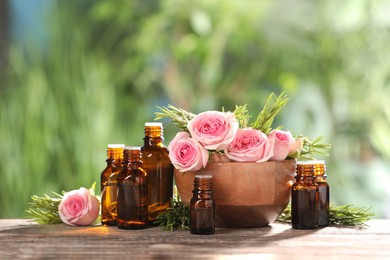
250	145
282	144
213	129
79	208
186	153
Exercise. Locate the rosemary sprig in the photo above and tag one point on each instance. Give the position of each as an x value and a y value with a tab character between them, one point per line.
44	209
178	116
312	147
242	115
176	217
348	215
271	108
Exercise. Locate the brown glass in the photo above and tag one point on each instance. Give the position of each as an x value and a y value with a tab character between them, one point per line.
157	164
323	194
132	192
202	207
108	185
304	198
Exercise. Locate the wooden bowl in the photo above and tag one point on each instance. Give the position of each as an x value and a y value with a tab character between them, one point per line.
245	194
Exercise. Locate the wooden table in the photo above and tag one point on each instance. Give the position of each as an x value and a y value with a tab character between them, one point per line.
23	239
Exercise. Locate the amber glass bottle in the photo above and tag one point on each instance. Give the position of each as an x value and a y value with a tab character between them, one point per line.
304	198
323	193
202	207
132	191
157	164
108	184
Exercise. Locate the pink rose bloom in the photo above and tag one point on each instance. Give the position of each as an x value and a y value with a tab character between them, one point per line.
79	208
186	153
284	144
250	145
213	129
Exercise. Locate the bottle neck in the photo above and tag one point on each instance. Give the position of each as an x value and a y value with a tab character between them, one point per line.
132	156
305	179
203	187
305	169
117	163
321	179
109	161
153	136
115	154
153	141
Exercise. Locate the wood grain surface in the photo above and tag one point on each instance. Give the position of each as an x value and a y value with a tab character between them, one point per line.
24	239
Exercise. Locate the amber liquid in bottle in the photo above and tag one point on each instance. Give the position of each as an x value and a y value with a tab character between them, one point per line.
304	198
157	164
202	207
323	193
132	191
108	184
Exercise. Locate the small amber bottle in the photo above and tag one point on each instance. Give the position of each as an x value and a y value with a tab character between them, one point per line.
304	198
132	191
323	193
157	164
202	207
108	184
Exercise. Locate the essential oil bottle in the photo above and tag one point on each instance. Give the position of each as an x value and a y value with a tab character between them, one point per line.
323	193
108	184
157	164
202	207
304	198
132	191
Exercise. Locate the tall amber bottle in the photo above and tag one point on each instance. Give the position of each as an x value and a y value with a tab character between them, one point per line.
132	191
304	198
108	184
157	164
202	207
323	193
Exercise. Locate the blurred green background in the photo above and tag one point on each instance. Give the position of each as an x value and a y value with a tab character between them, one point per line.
77	75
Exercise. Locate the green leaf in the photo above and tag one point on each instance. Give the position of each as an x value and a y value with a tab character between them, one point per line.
267	115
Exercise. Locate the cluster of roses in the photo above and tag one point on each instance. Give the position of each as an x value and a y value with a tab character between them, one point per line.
220	131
